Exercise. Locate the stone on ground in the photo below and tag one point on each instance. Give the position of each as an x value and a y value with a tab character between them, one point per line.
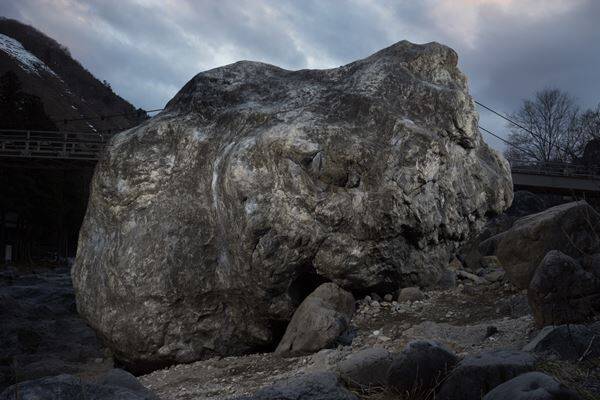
562	291
571	228
567	342
319	321
366	369
69	387
208	224
420	367
410	294
314	386
476	375
532	386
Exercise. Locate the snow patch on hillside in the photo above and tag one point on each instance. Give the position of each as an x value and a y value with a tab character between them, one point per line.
28	62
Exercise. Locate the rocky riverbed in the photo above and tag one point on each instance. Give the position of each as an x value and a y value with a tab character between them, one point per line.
42	334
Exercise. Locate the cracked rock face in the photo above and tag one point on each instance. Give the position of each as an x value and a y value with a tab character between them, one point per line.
209	224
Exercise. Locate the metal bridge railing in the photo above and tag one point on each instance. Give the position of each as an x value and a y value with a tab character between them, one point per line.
48	144
555	169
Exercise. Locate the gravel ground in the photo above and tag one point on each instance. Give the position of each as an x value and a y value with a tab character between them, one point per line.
468	319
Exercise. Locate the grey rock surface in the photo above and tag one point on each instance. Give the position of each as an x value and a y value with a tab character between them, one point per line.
208	224
313	386
524	203
40	331
419	368
410	294
532	386
69	387
366	369
567	342
476	375
571	228
564	291
318	322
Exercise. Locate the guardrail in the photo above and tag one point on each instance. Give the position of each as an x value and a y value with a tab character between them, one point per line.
555	169
48	144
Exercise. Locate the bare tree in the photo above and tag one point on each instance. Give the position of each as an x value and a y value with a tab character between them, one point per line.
549	129
589	123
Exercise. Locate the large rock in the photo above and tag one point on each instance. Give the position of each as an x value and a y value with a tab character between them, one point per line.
314	386
69	387
321	318
366	369
476	375
567	342
209	224
532	386
419	368
563	291
524	203
571	228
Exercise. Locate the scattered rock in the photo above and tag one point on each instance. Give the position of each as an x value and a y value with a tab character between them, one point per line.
467	275
321	318
366	369
388	297
491	331
315	386
562	291
420	367
476	375
532	386
494	276
569	228
69	387
411	294
256	184
567	342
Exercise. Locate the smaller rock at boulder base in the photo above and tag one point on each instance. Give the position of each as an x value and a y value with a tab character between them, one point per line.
315	386
532	386
410	294
476	375
562	291
420	367
567	342
318	322
366	369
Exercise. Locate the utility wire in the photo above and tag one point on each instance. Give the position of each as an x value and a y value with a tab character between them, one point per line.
504	140
546	142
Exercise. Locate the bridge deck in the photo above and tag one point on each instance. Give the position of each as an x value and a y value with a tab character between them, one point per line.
55	145
556	178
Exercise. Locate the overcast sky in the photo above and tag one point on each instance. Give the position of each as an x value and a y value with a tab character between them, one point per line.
148	49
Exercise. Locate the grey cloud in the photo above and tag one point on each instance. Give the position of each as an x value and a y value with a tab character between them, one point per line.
149	52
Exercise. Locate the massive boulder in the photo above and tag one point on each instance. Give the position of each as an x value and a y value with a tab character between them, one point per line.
208	224
573	228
